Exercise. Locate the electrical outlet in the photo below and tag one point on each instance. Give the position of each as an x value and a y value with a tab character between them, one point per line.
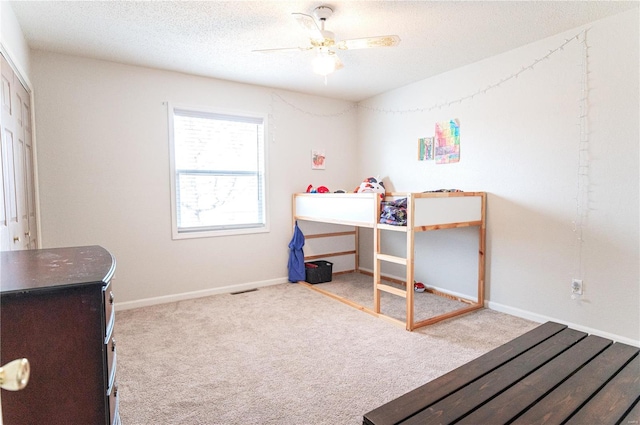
576	286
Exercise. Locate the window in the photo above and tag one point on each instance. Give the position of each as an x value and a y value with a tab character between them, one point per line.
218	173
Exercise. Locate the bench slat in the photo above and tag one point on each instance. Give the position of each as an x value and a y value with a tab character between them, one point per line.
633	417
480	391
611	403
406	405
526	392
559	404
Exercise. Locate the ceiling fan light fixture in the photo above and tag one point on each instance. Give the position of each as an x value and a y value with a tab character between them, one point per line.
325	44
324	63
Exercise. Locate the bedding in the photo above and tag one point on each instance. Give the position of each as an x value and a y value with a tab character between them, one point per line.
394	212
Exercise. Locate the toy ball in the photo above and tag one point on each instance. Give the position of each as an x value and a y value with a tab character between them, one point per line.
419	287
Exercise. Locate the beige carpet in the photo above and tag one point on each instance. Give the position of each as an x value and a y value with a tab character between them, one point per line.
358	288
283	355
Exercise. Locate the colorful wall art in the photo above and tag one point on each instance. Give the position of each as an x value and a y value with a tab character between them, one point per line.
447	141
425	148
317	159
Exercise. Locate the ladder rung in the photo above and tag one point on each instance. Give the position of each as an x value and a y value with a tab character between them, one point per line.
390	289
329	254
392	259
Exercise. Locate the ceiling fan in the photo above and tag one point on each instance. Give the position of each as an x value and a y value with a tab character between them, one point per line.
325	44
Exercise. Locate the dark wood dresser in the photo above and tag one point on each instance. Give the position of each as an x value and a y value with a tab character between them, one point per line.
56	310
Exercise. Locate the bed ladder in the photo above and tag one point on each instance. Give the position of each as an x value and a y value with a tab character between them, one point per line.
407	261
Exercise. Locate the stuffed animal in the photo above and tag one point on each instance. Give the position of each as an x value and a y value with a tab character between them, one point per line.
371	185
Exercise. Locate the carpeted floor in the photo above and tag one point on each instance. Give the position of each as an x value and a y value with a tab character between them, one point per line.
358	288
283	355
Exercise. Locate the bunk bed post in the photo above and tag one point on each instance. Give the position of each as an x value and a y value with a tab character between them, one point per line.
356	260
410	262
293	210
481	250
376	259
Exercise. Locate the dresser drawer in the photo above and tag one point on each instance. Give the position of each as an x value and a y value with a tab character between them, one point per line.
114	400
111	360
109	314
111	355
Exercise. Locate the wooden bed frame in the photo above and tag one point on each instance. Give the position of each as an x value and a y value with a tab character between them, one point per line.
425	212
550	375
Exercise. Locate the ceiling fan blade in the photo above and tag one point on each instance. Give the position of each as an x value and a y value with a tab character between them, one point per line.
283	50
308	24
368	42
339	64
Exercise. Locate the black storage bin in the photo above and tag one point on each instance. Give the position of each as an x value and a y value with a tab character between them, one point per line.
318	271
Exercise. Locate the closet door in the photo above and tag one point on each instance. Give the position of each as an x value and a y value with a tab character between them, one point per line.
28	208
18	209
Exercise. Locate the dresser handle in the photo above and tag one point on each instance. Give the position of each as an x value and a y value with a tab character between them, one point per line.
27	234
16	239
14	376
111	297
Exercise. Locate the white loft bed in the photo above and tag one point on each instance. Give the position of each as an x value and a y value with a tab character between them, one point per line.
425	212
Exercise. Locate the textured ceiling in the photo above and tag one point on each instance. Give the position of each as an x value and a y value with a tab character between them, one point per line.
216	38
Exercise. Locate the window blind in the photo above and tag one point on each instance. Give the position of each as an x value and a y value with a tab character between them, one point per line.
219	171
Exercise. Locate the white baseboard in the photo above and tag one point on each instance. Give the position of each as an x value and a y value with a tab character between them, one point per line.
128	305
534	317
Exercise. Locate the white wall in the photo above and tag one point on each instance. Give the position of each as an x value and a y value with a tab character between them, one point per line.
13	41
103	165
520	144
104	172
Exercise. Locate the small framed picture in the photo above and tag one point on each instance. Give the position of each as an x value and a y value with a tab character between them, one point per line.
317	159
425	148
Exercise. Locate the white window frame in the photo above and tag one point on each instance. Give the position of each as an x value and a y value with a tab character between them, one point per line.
221	231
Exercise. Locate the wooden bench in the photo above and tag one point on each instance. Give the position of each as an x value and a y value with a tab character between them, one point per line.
551	374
